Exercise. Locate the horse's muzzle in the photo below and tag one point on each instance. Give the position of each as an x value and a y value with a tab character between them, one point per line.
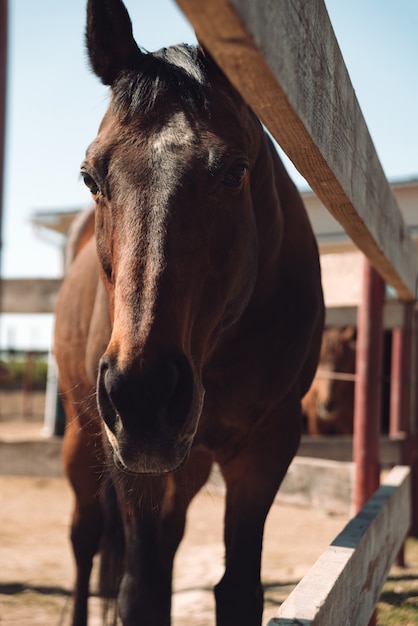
150	414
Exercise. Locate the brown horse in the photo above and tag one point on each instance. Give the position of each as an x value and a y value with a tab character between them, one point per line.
329	404
187	329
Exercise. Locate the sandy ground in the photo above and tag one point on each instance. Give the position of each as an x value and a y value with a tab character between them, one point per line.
36	566
21	414
37	569
36	572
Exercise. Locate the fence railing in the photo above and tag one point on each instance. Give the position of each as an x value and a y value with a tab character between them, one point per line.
284	59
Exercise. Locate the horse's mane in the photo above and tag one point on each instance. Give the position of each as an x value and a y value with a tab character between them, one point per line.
177	69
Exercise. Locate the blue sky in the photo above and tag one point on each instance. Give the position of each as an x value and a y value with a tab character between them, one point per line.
55	105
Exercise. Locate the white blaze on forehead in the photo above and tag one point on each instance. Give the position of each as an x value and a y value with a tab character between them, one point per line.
177	133
171	141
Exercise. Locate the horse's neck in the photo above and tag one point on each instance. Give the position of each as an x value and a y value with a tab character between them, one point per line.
266	181
287	247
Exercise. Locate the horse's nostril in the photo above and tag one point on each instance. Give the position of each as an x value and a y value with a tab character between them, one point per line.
167	378
146	400
106	407
108	378
330	406
175	376
181	389
103	367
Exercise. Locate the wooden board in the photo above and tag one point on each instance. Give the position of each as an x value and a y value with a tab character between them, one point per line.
344	585
340	448
393	315
284	59
38	295
29	295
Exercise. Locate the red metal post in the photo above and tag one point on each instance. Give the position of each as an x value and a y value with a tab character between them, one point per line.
413	423
367	397
400	377
400	387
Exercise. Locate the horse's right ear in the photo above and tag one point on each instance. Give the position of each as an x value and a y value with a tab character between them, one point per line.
208	59
109	39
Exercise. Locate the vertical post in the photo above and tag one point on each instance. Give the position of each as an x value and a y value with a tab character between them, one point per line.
400	380
367	397
3	82
400	386
27	385
413	422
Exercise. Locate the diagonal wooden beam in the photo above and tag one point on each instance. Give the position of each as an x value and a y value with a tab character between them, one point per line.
284	59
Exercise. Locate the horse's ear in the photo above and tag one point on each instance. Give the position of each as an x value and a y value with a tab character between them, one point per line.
207	59
109	39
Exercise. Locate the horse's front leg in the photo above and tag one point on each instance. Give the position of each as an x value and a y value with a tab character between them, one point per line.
145	590
154	526
82	460
252	480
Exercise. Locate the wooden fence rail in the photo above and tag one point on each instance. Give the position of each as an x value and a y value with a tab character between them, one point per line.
284	59
344	585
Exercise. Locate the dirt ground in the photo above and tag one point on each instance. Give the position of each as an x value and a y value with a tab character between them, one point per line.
37	570
21	411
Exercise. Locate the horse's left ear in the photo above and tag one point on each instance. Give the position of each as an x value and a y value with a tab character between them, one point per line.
110	42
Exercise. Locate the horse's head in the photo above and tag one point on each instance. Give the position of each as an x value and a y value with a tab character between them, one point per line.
176	235
332	392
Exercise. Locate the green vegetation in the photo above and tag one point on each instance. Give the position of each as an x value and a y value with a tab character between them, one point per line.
19	370
398	605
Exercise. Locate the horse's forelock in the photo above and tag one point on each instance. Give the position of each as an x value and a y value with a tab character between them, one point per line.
178	69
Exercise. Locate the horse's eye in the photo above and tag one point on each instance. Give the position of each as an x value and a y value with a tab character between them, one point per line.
90	183
235	176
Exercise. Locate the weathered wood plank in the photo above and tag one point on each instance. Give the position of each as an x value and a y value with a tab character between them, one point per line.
393	315
287	64
340	448
345	583
29	295
38	295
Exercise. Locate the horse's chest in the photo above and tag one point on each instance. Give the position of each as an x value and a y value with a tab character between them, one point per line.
229	412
